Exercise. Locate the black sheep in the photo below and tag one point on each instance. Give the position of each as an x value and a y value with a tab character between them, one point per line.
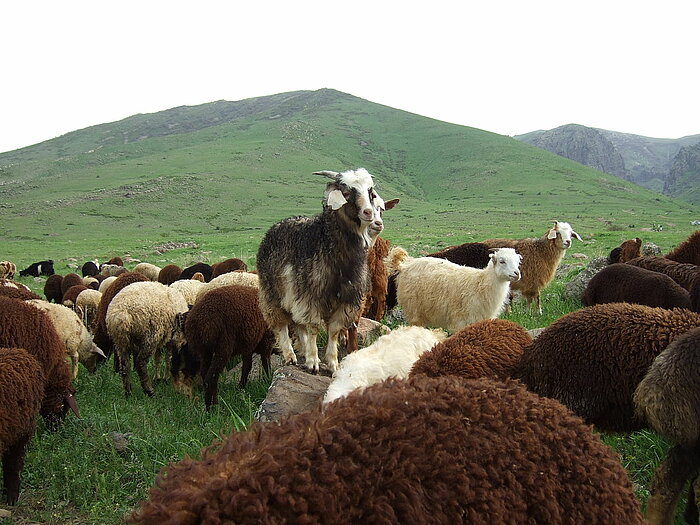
90	269
200	267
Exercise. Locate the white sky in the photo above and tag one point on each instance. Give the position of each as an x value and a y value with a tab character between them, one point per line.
504	66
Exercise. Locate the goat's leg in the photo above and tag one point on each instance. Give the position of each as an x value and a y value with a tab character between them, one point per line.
667	484
284	343
335	326
307	340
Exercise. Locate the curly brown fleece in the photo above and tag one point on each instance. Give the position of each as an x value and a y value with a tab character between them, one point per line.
375	300
24	326
426	450
229	265
70	279
227	321
18	293
169	274
682	273
592	360
21	392
474	254
688	251
490	348
629	249
52	288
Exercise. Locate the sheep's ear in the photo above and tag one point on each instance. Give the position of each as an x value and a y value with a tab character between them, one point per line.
327	173
390	204
336	199
576	235
70	401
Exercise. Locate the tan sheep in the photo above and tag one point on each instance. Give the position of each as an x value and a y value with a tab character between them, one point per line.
148	270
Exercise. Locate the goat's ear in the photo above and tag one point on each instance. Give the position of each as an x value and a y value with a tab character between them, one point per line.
576	235
552	233
390	204
327	173
336	199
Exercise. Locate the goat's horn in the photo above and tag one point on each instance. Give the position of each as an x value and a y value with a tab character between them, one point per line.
70	401
327	173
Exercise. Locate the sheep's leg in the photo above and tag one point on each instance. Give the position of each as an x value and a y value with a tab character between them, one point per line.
691	509
246	367
141	366
307	340
74	365
124	367
210	378
12	464
667	483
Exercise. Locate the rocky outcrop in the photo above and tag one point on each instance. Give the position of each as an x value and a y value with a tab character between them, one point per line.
685	175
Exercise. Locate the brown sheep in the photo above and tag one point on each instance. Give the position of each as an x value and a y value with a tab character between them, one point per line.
7	270
591	360
69	280
169	274
18	293
682	273
688	251
630	249
70	297
424	450
695	295
229	265
24	326
52	288
474	254
227	321
21	391
116	261
490	348
624	283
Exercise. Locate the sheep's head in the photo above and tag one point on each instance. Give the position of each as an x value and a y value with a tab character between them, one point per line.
57	401
630	249
506	262
563	234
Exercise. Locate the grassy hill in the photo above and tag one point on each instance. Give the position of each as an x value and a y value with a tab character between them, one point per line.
220	174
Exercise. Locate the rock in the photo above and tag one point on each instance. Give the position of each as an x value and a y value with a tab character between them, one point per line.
579	256
293	391
369	330
535	332
574	288
120	441
5	514
650	248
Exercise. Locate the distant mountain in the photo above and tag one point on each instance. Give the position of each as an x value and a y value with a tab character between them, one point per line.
645	161
684	177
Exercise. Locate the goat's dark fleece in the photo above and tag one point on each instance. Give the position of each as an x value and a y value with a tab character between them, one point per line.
38	268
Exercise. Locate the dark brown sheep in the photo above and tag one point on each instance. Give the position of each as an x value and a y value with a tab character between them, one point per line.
624	283
682	273
18	293
24	326
90	269
426	450
200	267
592	360
70	296
229	265
69	280
695	295
629	249
490	348
21	391
169	274
224	322
52	288
116	260
688	251
474	254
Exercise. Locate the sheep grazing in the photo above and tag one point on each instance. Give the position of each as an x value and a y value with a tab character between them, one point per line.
22	325
21	391
71	279
90	269
426	450
313	270
7	270
148	270
198	276
682	273
87	303
437	292
200	267
38	268
541	257
668	399
189	288
76	338
112	269
474	254
227	279
227	321
490	348
52	288
229	265
591	360
392	355
688	251
169	274
18	293
624	283
117	261
106	283
630	249
91	282
141	319
70	298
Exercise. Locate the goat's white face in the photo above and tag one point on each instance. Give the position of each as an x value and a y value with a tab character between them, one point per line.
564	234
507	263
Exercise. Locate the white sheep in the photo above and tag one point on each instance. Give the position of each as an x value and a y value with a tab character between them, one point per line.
142	319
77	339
437	292
189	288
106	283
87	303
148	270
229	278
392	355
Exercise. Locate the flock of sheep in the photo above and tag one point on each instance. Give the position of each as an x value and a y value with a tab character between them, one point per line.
486	425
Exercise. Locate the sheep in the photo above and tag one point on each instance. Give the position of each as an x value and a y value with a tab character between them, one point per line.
141	319
112	269
91	282
24	326
198	276
90	269
71	279
148	270
682	273
117	261
229	265
52	288
630	249
169	274
7	270
591	360
38	268
624	283
106	283
189	288
313	270
694	294
474	254
87	303
21	391
541	257
76	338
424	450
200	267
667	399
227	279
688	251
491	348
227	321
18	293
71	296
437	292
389	356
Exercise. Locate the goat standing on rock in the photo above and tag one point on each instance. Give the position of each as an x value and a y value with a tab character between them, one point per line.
313	270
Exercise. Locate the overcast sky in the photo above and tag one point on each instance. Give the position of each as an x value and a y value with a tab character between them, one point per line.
503	66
